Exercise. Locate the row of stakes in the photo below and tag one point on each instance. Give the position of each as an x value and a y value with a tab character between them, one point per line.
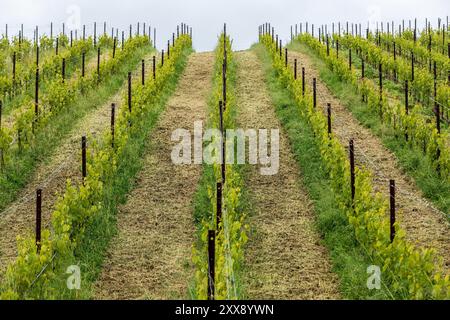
354	30
219	185
74	35
184	30
211	245
263	29
329	128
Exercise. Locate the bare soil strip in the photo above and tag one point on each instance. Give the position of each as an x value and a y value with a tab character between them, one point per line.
425	225
19	217
284	256
151	256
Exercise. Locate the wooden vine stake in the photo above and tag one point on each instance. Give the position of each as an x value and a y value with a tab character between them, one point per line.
281	48
362	76
98	64
129	92
37	56
352	169
314	93
63	70
337	49
392	208
36	99
303	81
38	218
350	59
83	63
328	46
286	57
438	122
14	67
168	49
113	112
83	157
143	72
211	263
224	84
114	47
154	67
329	118
222	131
295	69
380	81
406	107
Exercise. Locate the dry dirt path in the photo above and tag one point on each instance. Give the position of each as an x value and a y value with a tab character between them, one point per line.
151	256
425	225
284	257
18	218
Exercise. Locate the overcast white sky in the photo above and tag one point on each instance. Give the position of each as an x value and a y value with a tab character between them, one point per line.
207	16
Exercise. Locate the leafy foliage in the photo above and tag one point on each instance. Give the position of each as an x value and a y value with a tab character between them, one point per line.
409	272
29	276
231	232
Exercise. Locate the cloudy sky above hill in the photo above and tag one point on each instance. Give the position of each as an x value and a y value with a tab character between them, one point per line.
207	16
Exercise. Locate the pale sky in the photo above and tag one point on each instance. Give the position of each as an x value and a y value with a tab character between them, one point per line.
207	16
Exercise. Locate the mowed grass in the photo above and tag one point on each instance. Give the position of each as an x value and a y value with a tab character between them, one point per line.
90	254
411	158
349	260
